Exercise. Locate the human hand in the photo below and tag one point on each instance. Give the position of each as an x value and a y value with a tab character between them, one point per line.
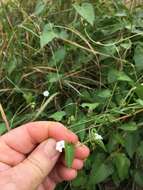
29	160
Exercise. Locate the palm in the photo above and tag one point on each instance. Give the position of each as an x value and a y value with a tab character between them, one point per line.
49	183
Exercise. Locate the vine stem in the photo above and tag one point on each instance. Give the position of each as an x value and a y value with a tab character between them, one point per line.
122	118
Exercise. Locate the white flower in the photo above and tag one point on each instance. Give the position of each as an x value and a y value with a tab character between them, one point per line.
60	145
46	93
98	137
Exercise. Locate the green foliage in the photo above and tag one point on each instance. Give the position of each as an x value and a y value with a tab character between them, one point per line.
47	35
138	177
86	10
100	170
58	116
138	56
122	164
131	143
69	154
2	128
129	126
89	56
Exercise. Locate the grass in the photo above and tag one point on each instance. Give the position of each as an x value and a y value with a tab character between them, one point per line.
88	56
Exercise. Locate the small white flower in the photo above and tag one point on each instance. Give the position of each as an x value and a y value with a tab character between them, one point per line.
60	145
98	137
46	93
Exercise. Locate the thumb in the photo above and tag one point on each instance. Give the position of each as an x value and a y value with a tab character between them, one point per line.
32	171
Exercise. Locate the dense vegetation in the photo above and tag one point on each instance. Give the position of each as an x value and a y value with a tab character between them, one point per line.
88	55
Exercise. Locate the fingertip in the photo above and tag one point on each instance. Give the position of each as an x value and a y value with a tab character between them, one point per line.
86	151
77	164
72	137
72	175
67	174
82	152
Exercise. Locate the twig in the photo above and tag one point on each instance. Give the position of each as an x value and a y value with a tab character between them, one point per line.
4	117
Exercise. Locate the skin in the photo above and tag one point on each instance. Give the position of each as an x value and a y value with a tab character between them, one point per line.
29	160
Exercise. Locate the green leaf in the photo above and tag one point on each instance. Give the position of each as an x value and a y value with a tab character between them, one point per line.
122	164
28	97
138	177
140	102
40	6
123	77
115	139
86	10
131	143
140	149
138	57
54	77
101	173
47	35
126	45
58	56
139	91
114	75
63	34
11	65
80	126
104	93
108	50
80	180
2	128
90	106
131	126
70	108
81	130
58	116
100	170
69	154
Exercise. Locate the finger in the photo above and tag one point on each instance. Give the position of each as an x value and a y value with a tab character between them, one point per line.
4	167
49	184
77	164
33	170
62	173
81	151
9	156
41	187
26	137
67	174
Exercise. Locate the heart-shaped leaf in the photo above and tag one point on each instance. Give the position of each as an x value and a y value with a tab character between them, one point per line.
86	10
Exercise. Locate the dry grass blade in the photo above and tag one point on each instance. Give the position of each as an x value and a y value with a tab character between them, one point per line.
4	117
45	105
